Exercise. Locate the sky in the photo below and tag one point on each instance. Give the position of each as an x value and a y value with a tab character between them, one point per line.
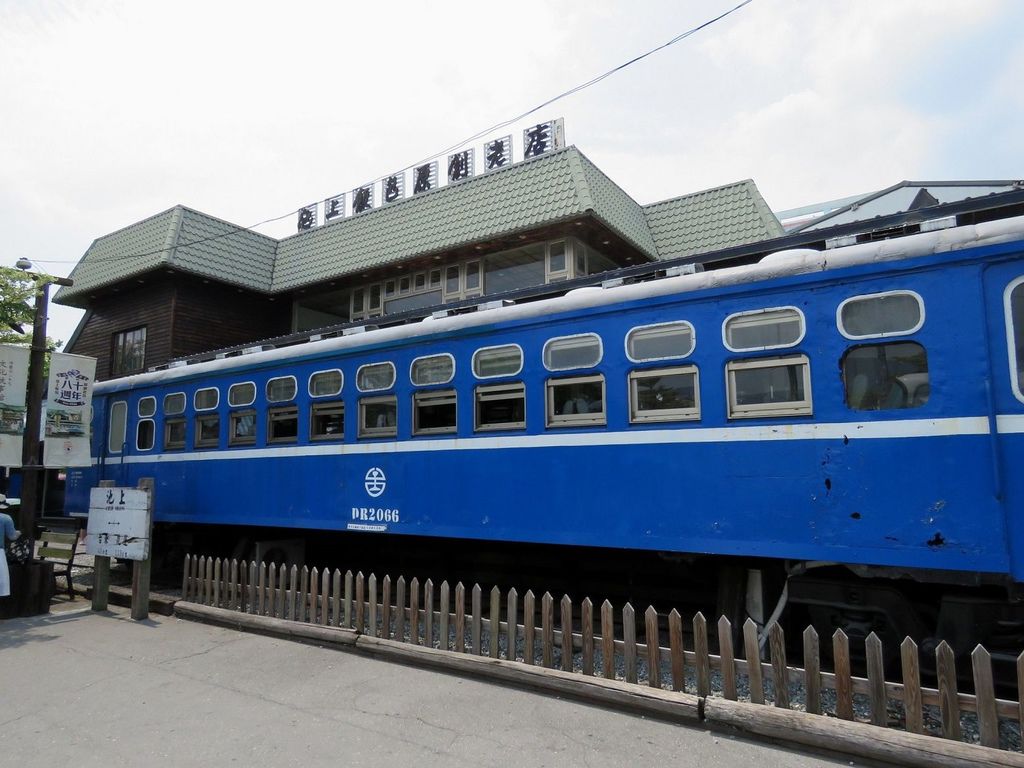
112	111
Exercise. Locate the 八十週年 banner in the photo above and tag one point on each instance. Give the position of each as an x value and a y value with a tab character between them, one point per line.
68	406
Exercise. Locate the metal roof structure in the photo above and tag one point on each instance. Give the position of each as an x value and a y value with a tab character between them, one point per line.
907	196
557	187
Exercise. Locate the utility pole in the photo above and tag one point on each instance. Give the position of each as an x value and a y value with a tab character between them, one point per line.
30	467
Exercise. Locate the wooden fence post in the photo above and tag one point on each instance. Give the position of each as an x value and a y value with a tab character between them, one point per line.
547	630
700	650
652	638
400	609
629	641
385	608
414	611
566	611
428	613
812	671
360	603
876	680
587	627
725	651
495	631
348	599
985	696
949	706
512	633
442	624
371	588
607	640
476	618
336	599
460	618
843	682
675	642
529	612
777	641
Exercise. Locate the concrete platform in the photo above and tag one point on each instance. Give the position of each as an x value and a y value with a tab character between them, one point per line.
88	689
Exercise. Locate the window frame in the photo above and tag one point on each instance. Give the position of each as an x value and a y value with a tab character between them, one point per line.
198	441
763	311
195	397
117	367
485	389
295	389
768	410
884	404
667	414
341	384
554	420
184	404
138	428
138	407
1011	338
888	334
322	405
233	418
412	366
169	445
394	376
484	377
242	384
282	413
444	395
365	432
122	407
635	328
555	339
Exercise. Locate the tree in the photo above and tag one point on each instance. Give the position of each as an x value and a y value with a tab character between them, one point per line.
17	290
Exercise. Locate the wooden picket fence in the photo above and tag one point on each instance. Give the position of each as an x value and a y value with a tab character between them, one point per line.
574	639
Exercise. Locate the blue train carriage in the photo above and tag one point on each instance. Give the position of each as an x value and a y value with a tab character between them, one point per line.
860	406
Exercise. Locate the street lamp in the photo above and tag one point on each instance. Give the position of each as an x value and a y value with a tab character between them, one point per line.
30	466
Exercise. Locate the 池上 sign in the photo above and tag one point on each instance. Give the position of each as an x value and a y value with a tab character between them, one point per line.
120	521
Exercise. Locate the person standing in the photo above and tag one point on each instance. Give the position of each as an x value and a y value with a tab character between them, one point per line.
7	532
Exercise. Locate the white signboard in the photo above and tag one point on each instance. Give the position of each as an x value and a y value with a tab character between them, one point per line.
13	382
119	523
68	407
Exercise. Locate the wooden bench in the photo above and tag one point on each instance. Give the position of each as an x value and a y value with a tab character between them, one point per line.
58	542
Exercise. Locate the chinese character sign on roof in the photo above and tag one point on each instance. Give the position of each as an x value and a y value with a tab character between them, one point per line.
394	187
498	153
307	217
543	137
362	199
460	166
334	207
424	177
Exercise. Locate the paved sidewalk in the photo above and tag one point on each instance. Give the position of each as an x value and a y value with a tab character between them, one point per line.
85	689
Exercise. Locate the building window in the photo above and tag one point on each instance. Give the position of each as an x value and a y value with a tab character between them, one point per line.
129	352
433	412
1014	307
890	376
206	399
145	435
174	434
664	394
283	424
243	428
147	407
893	313
174	404
327	421
207	430
770	386
763	329
500	406
378	416
578	401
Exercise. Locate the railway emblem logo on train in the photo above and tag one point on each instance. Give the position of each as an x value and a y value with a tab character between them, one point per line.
375	482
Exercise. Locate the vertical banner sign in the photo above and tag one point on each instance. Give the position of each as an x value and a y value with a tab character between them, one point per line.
68	405
13	385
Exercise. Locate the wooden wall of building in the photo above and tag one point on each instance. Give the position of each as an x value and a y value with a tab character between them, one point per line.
182	316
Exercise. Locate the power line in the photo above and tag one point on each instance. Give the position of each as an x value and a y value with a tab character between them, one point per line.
497	126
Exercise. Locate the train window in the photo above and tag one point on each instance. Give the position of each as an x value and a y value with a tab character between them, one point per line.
501	406
283	424
242	428
327	421
565	353
435	369
1014	302
893	313
240	394
147	407
206	399
145	435
375	377
489	362
118	426
663	341
326	383
763	329
207	430
378	416
433	412
886	376
281	390
770	386
664	394
174	404
575	401
174	434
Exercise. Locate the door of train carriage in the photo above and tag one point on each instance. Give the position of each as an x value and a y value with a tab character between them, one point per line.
80	480
1004	295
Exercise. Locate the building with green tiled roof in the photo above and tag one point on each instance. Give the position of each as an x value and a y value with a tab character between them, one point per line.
183	282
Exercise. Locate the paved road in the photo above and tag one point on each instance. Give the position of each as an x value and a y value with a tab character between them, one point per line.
87	689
